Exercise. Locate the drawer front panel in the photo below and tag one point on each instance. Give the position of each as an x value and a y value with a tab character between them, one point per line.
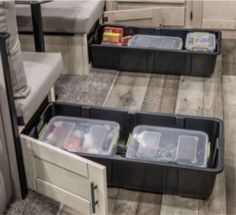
60	177
55	155
61	195
153	17
65	177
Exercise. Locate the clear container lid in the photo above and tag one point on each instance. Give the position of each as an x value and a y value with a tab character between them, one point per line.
160	42
81	135
200	41
187	147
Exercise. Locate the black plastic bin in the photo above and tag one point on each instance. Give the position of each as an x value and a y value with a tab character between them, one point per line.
175	62
140	175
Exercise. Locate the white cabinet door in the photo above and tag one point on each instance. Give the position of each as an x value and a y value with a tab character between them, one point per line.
219	14
65	177
135	4
151	17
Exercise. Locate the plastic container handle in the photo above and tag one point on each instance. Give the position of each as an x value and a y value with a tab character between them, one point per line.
217	156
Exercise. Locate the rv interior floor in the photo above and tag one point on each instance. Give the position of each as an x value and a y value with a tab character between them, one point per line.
215	97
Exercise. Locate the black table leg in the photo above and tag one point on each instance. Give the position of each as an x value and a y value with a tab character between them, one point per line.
38	27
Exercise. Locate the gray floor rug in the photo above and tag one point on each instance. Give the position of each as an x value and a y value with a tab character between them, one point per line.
90	90
34	204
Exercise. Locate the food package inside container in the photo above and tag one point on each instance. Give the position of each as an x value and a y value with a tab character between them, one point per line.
112	36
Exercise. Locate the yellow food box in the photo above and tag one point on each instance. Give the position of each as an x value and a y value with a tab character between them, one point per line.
111	37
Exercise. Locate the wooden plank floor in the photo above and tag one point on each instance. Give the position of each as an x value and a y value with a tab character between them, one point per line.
213	97
182	95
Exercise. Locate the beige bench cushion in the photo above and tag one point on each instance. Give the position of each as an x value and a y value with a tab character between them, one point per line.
42	70
62	16
8	24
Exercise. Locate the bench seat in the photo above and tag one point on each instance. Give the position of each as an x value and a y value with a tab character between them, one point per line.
42	70
77	16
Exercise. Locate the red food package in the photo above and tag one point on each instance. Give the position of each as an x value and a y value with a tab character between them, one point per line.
72	145
114	30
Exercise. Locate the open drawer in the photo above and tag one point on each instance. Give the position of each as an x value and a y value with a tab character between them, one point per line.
64	177
154	60
81	183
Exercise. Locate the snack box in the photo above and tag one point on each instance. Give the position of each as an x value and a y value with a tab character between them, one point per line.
82	135
159	42
185	147
112	35
200	41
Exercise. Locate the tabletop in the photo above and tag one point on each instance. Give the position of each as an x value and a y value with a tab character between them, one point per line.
32	1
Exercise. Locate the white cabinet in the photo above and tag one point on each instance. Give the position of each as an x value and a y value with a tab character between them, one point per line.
65	177
154	17
132	4
219	14
213	14
152	13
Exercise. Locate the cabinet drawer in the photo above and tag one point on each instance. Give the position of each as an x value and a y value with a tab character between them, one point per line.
151	60
73	188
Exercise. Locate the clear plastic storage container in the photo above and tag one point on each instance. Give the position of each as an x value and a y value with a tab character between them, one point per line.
82	135
200	41
187	147
159	42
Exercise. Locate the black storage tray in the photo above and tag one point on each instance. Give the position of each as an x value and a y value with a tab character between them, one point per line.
175	62
141	175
